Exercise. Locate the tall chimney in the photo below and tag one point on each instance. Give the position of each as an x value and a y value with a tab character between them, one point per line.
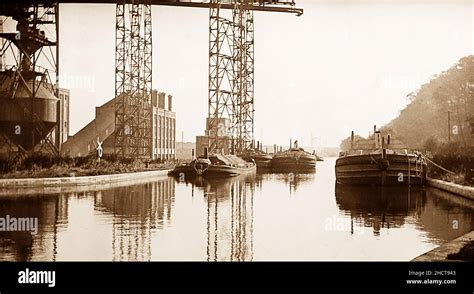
161	100
154	98
352	140
170	103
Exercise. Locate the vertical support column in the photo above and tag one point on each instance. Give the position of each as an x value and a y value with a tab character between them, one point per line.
221	100
147	150
121	128
239	72
133	77
247	105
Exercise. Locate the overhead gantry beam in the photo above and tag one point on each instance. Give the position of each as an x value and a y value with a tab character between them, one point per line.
268	6
231	68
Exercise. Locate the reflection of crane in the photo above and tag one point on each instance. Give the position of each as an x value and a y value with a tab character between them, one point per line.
231	65
137	212
230	236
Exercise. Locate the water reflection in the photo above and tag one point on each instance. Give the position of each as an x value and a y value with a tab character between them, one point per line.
51	213
432	210
378	207
292	179
256	217
136	212
229	217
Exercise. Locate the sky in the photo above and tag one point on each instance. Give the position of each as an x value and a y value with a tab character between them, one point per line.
341	66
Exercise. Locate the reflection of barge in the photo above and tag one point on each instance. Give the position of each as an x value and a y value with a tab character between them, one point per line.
216	165
380	166
294	159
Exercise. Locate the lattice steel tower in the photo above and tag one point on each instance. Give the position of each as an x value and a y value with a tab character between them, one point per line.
133	77
231	76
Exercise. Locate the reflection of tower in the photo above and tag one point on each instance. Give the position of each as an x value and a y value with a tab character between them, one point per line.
230	220
242	223
137	211
23	245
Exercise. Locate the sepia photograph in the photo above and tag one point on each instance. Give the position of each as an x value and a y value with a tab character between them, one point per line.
338	133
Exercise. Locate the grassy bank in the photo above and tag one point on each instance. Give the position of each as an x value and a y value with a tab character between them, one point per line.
41	166
454	158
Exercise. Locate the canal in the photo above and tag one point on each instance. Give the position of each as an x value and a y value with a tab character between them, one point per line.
262	217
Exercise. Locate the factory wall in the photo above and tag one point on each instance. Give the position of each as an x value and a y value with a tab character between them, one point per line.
102	128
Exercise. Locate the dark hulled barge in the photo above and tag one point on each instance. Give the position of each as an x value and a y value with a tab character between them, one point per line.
262	160
216	165
294	160
380	166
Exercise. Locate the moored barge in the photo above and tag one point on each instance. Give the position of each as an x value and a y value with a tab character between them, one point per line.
262	160
380	166
216	165
294	160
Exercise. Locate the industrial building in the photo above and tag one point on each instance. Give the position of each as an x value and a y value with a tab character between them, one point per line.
220	130
102	129
61	133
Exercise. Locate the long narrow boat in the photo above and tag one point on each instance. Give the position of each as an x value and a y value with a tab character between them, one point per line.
380	166
216	165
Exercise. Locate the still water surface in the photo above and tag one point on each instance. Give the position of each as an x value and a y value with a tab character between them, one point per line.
262	217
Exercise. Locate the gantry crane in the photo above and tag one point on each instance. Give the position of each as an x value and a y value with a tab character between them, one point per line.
231	68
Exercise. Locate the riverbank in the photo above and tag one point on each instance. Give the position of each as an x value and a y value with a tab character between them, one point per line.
40	166
459	249
461	190
41	183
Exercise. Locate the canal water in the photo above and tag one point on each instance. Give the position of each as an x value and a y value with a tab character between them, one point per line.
260	217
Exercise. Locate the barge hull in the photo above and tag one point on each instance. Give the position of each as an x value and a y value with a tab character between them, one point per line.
394	169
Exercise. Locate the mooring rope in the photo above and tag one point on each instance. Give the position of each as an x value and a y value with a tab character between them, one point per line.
439	166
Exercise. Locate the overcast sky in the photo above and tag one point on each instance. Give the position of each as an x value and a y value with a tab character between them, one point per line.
341	66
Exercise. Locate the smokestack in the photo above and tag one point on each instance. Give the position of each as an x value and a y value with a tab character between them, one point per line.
161	100
375	129
258	145
352	140
290	143
170	103
154	98
275	148
388	140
